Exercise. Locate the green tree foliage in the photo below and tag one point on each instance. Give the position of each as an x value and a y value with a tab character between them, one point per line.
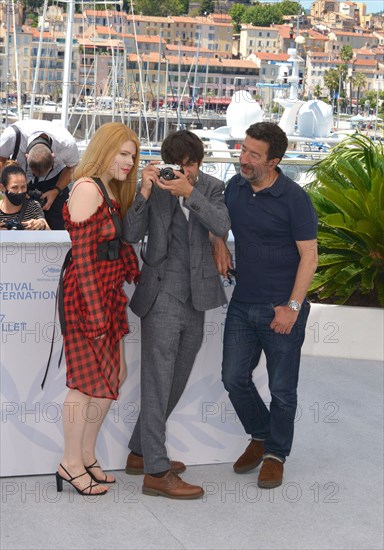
291	8
371	97
236	11
346	53
206	7
348	195
185	4
32	5
150	7
317	91
331	80
359	81
262	13
156	8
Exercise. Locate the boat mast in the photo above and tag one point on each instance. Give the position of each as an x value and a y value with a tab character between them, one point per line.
205	86
7	60
37	69
142	100
158	89
165	129
67	63
179	89
18	84
195	78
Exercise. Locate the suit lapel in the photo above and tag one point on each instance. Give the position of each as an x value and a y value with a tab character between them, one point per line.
201	186
166	204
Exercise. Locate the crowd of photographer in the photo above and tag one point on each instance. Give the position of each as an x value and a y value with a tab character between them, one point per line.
48	153
19	209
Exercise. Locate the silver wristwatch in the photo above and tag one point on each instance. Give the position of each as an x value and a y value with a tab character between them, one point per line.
294	305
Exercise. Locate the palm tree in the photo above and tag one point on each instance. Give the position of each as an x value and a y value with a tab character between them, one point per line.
331	81
317	91
351	81
348	195
346	54
360	82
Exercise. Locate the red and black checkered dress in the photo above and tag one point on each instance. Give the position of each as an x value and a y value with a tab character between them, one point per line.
95	304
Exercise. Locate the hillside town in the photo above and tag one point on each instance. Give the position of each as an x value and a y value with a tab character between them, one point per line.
163	61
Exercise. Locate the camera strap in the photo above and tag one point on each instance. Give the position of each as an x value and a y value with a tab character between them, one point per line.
42	139
109	250
57	307
17	142
112	210
20	215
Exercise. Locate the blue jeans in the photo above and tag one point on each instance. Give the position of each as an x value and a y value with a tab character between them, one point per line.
247	333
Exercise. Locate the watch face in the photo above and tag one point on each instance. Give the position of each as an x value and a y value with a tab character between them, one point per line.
294	305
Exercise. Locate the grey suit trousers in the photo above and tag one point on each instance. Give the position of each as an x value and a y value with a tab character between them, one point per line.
171	336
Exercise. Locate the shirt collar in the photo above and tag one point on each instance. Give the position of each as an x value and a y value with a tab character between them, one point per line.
276	189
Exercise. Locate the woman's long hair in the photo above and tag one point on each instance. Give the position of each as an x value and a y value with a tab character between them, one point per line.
98	157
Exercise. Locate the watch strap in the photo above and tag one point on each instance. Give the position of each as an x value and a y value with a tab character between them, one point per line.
294	305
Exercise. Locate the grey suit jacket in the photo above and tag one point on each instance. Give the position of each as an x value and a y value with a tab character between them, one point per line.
208	213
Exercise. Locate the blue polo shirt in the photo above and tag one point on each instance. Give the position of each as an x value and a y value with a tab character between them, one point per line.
266	226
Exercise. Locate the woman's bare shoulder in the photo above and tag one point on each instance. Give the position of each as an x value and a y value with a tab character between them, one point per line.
85	198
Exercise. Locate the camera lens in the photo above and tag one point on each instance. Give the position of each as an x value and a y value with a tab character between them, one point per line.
13	225
167	173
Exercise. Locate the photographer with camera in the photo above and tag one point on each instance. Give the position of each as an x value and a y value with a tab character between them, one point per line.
177	206
17	209
48	153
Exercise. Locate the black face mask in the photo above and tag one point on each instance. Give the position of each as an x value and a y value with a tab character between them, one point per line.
16	198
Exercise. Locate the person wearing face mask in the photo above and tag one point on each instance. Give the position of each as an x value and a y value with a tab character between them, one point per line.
49	154
16	210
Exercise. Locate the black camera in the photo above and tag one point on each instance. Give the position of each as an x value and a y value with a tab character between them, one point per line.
13	225
36	195
166	171
231	274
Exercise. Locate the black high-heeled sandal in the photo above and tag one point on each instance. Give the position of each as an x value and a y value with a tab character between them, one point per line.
87	491
95	465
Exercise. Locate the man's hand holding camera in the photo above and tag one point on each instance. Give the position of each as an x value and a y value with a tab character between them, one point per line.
165	177
149	176
48	198
179	185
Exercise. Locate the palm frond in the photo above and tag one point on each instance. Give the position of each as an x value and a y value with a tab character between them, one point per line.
348	194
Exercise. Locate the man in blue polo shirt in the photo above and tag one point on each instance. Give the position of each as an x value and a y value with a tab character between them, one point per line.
275	228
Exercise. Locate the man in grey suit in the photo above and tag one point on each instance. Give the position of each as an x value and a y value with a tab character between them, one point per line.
178	283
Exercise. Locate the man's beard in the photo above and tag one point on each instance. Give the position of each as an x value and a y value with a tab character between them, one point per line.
251	173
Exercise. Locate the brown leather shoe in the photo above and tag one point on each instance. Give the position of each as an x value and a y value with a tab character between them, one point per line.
271	474
251	457
171	486
135	465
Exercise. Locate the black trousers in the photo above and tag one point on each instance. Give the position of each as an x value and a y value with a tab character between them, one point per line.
53	216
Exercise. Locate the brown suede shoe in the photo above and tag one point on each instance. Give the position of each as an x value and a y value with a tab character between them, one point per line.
135	465
271	474
251	457
171	486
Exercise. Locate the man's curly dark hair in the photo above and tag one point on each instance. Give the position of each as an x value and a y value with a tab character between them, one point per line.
273	135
